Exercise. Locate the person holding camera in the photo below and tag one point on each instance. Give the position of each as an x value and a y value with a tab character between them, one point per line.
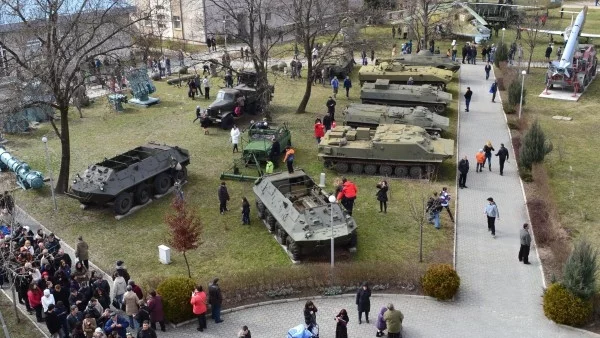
341	328
382	195
310	315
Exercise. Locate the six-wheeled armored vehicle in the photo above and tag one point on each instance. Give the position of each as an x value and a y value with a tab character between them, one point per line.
391	149
131	178
382	92
401	74
297	211
372	115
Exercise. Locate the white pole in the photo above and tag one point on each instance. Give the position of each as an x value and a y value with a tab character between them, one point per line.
332	200
503	29
45	140
522	85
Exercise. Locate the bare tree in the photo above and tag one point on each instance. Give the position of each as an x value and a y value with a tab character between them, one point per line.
424	16
532	23
52	40
418	196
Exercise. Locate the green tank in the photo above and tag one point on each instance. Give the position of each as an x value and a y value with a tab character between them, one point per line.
297	211
431	60
391	149
399	73
372	115
382	92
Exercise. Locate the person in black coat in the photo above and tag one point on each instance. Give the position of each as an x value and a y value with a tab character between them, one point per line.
310	315
52	321
341	329
363	300
465	50
331	107
327	120
382	195
463	169
223	198
502	156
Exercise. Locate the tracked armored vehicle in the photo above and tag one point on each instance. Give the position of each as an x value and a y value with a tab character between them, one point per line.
399	73
297	211
431	60
131	178
392	149
382	92
372	115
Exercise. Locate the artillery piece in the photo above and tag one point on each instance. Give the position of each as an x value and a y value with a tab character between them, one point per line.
26	178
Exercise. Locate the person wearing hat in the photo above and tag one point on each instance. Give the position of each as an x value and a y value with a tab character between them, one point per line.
492	213
215	299
99	333
82	252
525	238
117	324
47	299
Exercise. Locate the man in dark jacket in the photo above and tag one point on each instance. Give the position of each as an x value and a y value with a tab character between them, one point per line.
327	122
548	52
463	169
74	317
215	299
468	96
82	252
146	331
223	198
465	50
502	156
331	108
525	244
363	301
52	321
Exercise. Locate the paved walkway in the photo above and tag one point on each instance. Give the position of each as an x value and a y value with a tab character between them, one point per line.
499	297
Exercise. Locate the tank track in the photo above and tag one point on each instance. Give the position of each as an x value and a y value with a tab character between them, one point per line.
400	169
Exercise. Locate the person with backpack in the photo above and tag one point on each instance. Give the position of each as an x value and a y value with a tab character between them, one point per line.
493	90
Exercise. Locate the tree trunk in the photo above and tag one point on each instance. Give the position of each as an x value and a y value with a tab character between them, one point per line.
188	265
62	183
529	63
308	90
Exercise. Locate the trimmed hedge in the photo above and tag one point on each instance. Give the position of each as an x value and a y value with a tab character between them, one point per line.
441	281
563	307
176	293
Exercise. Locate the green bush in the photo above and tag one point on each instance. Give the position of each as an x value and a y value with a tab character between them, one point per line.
514	93
175	292
501	54
534	147
441	281
579	274
563	307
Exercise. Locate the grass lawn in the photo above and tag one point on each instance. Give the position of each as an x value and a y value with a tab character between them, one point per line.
228	246
24	329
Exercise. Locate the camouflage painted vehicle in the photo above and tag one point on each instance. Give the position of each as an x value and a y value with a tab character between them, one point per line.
432	60
297	211
260	142
131	178
382	92
391	149
399	73
372	115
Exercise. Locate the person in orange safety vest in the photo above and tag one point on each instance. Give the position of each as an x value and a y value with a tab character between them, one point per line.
480	157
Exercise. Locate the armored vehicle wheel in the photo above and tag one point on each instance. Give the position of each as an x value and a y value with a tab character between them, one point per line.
416	172
280	235
123	203
370	169
271	222
227	121
401	171
357	168
386	170
162	183
439	108
328	164
293	248
261	209
181	175
341	167
142	194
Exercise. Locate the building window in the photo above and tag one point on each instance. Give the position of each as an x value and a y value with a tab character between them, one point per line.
162	25
268	16
160	17
176	22
159	7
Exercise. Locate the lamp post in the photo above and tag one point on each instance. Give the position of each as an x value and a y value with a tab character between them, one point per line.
523	72
332	200
503	29
225	32
45	140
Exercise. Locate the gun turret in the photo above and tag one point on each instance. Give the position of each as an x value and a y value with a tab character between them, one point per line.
26	178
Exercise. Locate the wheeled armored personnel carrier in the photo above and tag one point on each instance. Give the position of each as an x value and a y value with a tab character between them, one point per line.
372	115
221	111
399	73
391	149
432	60
131	178
298	213
382	92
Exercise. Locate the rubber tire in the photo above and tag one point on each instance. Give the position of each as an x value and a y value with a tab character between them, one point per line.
271	222
162	183
439	108
294	249
370	169
386	170
181	175
261	209
227	122
357	168
401	171
341	167
123	203
416	172
142	194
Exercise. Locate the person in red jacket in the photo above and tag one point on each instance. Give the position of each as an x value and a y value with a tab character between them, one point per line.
198	302
347	195
34	296
319	130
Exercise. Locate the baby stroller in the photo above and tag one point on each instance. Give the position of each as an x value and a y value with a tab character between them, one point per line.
301	331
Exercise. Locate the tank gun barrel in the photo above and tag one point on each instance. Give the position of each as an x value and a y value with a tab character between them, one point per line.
572	43
26	178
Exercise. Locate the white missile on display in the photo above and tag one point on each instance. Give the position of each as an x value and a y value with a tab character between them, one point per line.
572	43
